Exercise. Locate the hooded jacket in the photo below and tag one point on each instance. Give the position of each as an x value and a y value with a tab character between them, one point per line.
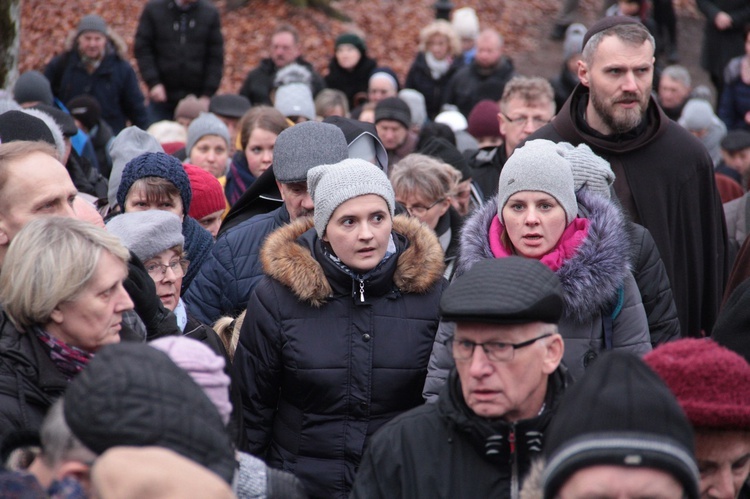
596	280
665	182
324	359
420	78
444	450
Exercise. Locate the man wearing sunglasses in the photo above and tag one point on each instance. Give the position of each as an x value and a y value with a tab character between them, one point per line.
478	440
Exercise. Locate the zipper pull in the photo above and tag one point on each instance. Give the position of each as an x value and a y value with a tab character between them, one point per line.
361	291
512	441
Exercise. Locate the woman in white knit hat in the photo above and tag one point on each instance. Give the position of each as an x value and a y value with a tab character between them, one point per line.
338	333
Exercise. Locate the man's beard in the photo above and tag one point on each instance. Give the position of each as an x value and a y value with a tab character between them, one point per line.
617	119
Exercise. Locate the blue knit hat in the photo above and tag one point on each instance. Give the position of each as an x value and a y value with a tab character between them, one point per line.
156	164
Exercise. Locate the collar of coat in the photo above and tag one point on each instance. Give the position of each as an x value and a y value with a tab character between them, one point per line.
289	261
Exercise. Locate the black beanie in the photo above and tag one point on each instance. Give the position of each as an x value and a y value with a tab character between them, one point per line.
620	413
86	109
393	108
439	148
352	39
17	125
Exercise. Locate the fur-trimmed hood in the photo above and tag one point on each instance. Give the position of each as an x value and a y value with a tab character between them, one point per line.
115	44
592	277
285	259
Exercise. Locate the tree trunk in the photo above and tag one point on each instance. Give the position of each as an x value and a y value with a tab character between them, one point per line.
10	39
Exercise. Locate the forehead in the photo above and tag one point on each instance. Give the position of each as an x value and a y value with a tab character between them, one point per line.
365	203
381	82
488	41
283	38
671	82
212	140
613	52
390	125
30	174
538	105
504	332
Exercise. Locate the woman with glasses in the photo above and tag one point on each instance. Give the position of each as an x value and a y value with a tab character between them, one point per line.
582	236
426	188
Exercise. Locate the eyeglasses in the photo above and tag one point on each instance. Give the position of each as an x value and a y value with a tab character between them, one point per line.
418	210
157	270
522	120
496	351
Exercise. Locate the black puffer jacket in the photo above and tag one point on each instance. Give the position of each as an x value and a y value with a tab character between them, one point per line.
183	49
324	360
420	78
259	81
353	83
471	83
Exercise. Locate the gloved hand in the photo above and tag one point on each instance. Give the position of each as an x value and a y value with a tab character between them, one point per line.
159	320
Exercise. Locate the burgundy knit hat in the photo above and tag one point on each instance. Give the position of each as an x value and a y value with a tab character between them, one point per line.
208	196
711	383
483	119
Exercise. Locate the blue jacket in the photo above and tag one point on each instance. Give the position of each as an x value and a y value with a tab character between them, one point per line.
233	269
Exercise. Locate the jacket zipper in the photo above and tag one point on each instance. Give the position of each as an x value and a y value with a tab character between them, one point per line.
514	463
361	291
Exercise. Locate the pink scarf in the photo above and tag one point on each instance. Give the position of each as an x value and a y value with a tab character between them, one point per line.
571	239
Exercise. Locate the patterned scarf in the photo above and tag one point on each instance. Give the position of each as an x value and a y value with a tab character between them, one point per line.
69	360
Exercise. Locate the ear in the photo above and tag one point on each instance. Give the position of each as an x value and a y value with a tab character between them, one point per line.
281	190
583	72
501	124
77	470
57	315
555	347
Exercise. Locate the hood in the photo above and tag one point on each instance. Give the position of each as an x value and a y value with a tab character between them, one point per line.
592	276
116	43
288	261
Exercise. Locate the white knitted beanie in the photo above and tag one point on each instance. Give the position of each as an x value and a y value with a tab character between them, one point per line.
332	185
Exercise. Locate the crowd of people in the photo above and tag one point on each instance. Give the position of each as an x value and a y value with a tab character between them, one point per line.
280	292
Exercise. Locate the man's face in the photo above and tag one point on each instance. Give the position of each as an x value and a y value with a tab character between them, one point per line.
392	134
296	198
379	88
672	93
609	481
723	460
737	160
37	185
489	50
619	79
537	113
91	44
284	50
512	389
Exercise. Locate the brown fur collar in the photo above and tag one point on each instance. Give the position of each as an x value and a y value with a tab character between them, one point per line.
419	267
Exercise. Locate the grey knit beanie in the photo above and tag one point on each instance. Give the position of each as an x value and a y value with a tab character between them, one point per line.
33	86
92	22
295	99
205	124
147	233
589	170
332	185
304	146
696	115
573	43
539	165
128	144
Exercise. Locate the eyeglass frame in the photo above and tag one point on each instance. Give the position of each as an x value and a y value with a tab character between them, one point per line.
420	207
182	263
490	355
522	120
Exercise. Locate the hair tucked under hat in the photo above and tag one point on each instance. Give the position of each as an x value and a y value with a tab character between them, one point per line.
155	164
539	165
147	233
332	185
205	124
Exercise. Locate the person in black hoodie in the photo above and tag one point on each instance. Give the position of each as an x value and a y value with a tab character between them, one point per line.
350	68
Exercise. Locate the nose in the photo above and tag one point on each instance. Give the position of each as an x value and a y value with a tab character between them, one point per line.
365	232
480	365
628	82
532	217
169	275
68	211
267	157
307	202
722	485
125	303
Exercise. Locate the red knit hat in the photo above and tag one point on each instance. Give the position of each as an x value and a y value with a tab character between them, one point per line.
711	383
208	196
483	119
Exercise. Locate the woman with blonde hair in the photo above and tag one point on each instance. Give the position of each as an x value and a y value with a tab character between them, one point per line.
438	59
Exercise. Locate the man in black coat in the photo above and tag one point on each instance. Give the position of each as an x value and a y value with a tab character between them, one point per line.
664	175
478	440
180	51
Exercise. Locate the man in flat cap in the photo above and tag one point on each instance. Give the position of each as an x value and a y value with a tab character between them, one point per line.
664	177
489	422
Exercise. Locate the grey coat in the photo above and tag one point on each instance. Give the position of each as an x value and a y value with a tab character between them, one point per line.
597	280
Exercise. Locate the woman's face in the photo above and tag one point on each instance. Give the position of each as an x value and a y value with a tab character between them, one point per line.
534	222
212	222
210	153
94	318
347	56
438	46
166	271
359	231
136	200
259	151
425	209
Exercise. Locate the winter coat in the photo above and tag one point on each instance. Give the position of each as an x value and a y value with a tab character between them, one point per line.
721	46
735	97
420	78
485	165
182	49
113	83
563	85
738	222
325	360
596	281
463	88
664	178
448	230
233	269
259	81
444	450
353	83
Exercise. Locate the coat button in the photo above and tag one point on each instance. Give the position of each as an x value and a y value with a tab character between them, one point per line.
366	337
588	358
363	406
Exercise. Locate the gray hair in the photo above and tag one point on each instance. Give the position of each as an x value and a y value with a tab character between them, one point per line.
531	89
679	74
59	444
51	261
426	176
634	34
328	98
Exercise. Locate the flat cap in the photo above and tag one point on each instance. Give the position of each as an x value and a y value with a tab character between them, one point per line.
512	290
229	105
736	140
